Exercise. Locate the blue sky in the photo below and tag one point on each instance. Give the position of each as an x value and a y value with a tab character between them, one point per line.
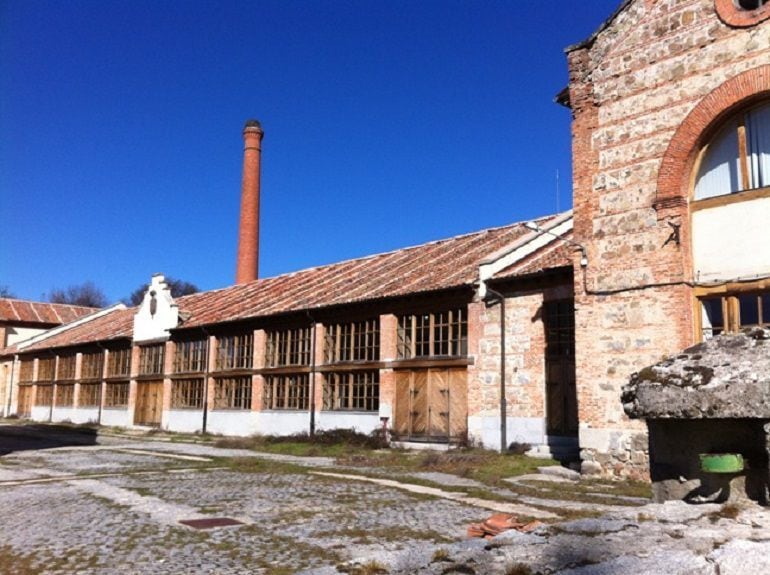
387	124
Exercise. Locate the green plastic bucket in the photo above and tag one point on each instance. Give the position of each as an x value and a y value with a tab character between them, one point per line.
721	462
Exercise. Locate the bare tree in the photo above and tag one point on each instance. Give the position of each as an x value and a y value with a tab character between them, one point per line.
177	287
5	291
85	294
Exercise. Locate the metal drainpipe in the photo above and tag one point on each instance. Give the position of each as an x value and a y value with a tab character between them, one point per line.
312	374
101	381
503	408
53	386
206	383
10	385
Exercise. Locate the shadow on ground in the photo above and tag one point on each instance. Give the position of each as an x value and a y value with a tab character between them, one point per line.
33	437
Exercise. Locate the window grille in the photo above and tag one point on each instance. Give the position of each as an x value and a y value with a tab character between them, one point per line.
44	395
119	362
89	394
45	367
190	356
356	341
66	367
91	365
116	394
232	392
288	347
235	351
439	334
65	395
26	370
355	390
287	392
151	359
187	393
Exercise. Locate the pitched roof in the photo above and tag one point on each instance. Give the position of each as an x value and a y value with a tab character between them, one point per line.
17	310
116	324
428	267
557	254
438	265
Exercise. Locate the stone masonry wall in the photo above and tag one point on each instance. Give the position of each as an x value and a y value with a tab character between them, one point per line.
630	89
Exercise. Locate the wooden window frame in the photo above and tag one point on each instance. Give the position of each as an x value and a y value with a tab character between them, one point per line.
88	394
152	359
119	362
190	356
26	370
233	393
438	334
65	395
44	395
286	392
357	341
46	368
747	191
730	295
116	394
288	347
92	365
235	351
352	391
187	393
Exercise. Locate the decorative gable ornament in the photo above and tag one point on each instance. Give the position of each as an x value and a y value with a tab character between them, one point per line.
158	312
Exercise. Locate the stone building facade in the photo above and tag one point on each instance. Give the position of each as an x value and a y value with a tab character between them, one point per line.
648	91
523	334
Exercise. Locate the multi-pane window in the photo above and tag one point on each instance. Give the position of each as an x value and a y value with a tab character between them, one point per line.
190	356
65	368
65	395
88	396
187	393
26	370
91	365
151	359
288	347
45	367
731	312
356	341
355	390
738	158
119	362
44	395
116	394
235	351
232	392
287	392
442	333
559	323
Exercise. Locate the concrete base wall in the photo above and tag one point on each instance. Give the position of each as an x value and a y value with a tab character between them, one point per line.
486	429
40	413
283	422
116	417
362	422
238	423
183	420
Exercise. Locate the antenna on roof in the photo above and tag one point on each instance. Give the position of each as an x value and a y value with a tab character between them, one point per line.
557	191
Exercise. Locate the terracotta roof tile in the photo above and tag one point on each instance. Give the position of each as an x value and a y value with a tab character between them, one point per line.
428	267
16	310
114	325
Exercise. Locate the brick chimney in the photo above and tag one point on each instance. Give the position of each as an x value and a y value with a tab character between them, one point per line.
248	234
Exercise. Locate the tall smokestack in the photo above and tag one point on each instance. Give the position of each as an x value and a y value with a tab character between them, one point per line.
248	234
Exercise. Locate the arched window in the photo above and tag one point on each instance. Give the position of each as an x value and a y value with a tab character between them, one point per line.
738	157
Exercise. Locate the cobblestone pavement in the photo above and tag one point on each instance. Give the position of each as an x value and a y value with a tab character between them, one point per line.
103	509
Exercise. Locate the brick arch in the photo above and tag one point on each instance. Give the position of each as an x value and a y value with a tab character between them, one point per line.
674	174
732	15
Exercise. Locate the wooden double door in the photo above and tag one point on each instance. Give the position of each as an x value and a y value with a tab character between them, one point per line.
149	403
431	404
